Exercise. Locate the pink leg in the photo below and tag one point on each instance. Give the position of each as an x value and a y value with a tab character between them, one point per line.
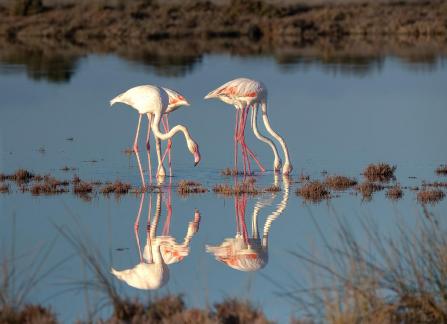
140	168
241	140
236	134
169	147
253	156
135	142
167	150
148	147
137	225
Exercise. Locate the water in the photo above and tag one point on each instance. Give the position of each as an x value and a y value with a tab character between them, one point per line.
335	116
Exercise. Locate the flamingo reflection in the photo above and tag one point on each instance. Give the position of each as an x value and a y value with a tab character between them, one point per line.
244	252
152	271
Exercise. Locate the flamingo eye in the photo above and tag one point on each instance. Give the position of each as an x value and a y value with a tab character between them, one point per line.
181	98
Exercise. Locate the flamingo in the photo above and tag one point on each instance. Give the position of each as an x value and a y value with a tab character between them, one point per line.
152	272
154	102
244	93
242	252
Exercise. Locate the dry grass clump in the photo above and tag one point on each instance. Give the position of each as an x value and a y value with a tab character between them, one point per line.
238	189
20	176
442	169
379	172
232	310
187	187
395	192
28	314
273	188
82	187
430	196
313	191
397	278
339	182
368	188
227	172
116	187
4	188
48	185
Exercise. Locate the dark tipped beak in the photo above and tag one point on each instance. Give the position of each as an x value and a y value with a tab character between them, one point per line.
195	163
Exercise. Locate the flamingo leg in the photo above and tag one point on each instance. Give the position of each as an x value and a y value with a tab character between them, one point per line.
137	225
236	134
140	168
167	225
169	146
148	146
242	141
135	141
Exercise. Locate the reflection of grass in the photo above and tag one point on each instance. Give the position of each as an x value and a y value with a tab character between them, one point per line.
313	191
16	284
442	169
340	182
389	279
368	188
395	192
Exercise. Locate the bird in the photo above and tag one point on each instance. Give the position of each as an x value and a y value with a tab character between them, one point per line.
244	252
244	93
154	101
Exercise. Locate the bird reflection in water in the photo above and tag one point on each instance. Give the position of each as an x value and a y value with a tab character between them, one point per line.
244	252
159	251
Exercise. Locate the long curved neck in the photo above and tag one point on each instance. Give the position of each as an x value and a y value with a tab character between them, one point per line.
254	125
272	132
172	132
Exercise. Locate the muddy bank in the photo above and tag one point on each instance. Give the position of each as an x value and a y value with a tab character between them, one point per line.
234	19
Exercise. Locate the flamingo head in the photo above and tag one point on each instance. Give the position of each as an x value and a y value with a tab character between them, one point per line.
194	149
277	165
287	169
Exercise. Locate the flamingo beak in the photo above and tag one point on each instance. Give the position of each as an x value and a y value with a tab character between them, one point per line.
196	158
210	95
186	103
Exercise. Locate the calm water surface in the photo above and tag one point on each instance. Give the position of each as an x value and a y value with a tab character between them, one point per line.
334	117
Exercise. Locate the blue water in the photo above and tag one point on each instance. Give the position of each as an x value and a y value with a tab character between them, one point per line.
331	119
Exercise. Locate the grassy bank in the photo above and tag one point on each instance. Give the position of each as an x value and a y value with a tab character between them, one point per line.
254	19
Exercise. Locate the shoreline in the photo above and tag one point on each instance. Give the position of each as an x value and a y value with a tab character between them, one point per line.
257	21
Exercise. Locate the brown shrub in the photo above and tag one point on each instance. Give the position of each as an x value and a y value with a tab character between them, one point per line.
314	191
368	188
186	187
379	172
442	169
164	308
395	192
430	196
232	310
238	189
117	187
29	314
340	182
233	172
272	188
4	188
46	188
82	187
25	7
22	175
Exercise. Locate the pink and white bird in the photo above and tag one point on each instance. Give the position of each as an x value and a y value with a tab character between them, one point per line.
244	93
155	102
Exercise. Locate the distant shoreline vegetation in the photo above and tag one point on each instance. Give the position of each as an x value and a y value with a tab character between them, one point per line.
258	20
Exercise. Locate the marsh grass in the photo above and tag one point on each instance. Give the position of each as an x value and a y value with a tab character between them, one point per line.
16	284
431	196
313	191
379	172
228	172
272	188
4	188
238	189
441	170
394	192
117	187
338	182
398	278
187	187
